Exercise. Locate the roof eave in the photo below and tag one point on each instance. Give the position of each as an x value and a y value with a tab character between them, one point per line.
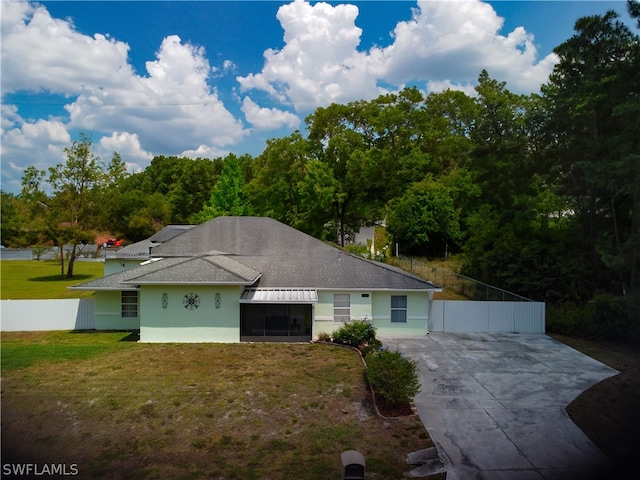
104	289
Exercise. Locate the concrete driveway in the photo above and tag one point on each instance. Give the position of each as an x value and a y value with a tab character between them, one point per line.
494	404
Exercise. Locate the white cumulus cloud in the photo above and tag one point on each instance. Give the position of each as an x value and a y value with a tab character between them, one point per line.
205	151
268	118
127	145
446	44
39	143
452	41
319	63
169	110
43	53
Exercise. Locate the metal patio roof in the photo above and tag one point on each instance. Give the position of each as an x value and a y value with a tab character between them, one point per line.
279	295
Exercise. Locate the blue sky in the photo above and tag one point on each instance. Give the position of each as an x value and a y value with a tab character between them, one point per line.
206	78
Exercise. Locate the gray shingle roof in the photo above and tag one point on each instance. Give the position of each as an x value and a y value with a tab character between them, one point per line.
264	253
206	270
259	236
287	257
141	249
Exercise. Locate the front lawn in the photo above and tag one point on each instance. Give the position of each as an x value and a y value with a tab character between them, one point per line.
121	409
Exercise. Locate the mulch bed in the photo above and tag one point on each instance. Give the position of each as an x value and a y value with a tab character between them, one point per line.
388	410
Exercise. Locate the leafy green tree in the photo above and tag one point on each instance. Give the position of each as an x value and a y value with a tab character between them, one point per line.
136	215
339	140
593	98
451	116
40	224
501	162
77	186
186	183
227	195
14	217
316	193
75	209
424	219
513	228
273	190
192	187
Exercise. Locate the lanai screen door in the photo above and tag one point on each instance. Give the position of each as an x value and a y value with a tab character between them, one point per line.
275	320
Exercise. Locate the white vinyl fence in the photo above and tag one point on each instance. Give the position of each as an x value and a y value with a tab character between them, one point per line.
36	315
498	317
446	316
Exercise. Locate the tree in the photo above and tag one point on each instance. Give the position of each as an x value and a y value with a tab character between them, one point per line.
136	215
273	190
43	222
316	192
339	138
633	7
75	209
14	217
501	162
424	219
512	225
226	197
184	182
593	99
77	186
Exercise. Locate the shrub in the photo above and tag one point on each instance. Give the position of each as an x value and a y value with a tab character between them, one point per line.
355	333
324	337
393	376
372	346
613	317
605	317
564	319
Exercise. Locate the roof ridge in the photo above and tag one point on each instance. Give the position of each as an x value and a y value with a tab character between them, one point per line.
158	263
207	258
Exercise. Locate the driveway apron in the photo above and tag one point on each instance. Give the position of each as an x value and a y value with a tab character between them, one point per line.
494	404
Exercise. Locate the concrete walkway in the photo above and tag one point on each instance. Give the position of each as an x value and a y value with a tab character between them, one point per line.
494	404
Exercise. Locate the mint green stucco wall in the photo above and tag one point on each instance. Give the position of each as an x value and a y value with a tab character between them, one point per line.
323	312
108	313
417	314
375	307
175	323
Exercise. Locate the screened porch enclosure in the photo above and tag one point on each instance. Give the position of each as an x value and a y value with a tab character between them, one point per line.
275	322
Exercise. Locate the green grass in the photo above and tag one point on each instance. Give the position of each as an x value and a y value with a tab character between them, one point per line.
23	349
122	409
31	279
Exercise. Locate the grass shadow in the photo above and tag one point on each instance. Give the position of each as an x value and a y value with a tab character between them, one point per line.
131	335
60	278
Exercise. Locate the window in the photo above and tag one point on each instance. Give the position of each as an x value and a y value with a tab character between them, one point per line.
341	307
129	304
398	309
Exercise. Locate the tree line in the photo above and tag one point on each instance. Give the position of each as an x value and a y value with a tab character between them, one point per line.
539	193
